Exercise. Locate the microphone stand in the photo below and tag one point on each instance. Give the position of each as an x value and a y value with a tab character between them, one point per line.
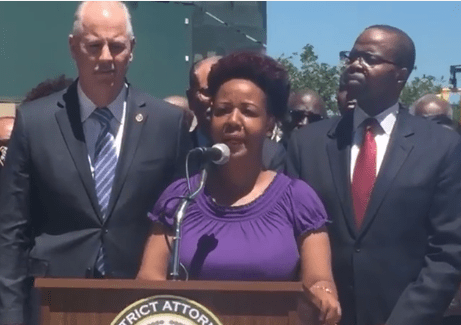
178	217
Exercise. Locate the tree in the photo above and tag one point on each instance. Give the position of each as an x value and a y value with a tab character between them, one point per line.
320	77
419	87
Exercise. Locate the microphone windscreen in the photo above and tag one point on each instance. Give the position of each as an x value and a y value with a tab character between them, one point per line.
225	153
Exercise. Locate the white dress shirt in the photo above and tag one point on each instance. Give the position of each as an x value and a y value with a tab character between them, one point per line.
386	120
92	127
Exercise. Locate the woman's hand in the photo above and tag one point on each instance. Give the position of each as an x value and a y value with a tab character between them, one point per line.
317	277
323	296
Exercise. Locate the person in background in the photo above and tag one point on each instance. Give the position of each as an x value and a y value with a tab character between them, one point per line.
304	107
48	87
248	223
391	182
43	89
84	166
199	102
199	99
434	108
182	103
6	127
344	103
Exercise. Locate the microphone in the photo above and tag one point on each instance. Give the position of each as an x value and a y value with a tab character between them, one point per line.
218	153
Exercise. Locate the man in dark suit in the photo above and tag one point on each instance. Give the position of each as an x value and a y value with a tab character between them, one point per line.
391	184
84	167
305	106
6	126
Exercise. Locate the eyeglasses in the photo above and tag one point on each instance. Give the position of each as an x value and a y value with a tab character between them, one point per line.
298	115
364	57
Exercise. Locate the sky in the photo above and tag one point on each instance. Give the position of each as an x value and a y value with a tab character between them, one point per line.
333	26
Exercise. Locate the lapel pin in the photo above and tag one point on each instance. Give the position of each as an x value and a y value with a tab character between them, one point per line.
139	117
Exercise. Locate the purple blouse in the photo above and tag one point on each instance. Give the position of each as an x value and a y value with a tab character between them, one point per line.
257	241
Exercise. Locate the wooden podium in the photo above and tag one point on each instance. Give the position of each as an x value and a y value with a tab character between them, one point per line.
97	302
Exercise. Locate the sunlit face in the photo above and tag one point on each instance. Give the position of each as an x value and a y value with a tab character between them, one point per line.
304	109
371	77
239	117
199	99
103	50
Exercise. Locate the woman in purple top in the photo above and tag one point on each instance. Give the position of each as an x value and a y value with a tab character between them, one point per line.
248	223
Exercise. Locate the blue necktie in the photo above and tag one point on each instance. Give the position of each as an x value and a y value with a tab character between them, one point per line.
105	161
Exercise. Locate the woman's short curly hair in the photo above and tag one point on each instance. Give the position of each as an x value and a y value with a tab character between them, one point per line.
267	73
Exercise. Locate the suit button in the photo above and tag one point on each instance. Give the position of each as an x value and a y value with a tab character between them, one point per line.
106	231
357	250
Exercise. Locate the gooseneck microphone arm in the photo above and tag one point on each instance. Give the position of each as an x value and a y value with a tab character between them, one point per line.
178	217
218	154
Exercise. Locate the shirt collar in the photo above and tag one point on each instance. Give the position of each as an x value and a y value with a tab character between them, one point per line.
87	106
386	118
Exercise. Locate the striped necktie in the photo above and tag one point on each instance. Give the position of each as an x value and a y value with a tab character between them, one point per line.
105	161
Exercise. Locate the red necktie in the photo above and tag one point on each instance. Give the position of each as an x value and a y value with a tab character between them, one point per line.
364	172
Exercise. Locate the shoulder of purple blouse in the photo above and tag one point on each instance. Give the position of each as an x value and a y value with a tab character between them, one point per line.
301	193
180	187
299	186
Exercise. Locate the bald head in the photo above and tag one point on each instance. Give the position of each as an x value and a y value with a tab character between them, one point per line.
406	53
108	9
102	48
309	101
198	75
6	127
306	106
179	101
431	105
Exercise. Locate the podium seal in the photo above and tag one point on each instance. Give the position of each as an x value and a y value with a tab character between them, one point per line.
166	310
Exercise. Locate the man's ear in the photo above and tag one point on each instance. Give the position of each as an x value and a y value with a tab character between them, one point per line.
133	43
270	124
402	76
72	45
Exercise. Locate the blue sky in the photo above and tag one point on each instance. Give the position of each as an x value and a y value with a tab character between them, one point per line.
330	27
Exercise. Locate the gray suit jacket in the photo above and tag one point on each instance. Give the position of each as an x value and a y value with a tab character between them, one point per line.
50	220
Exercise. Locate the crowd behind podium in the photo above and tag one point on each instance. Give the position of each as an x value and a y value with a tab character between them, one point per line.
363	208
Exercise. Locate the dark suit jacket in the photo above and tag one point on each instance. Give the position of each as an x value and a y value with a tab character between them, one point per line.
50	221
403	266
274	155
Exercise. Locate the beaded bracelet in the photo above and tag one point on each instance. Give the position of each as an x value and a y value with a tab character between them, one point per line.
326	289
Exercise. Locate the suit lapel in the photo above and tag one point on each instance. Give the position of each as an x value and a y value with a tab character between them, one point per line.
398	149
339	151
69	122
135	118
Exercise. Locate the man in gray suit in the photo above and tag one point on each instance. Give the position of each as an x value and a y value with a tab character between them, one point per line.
84	167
